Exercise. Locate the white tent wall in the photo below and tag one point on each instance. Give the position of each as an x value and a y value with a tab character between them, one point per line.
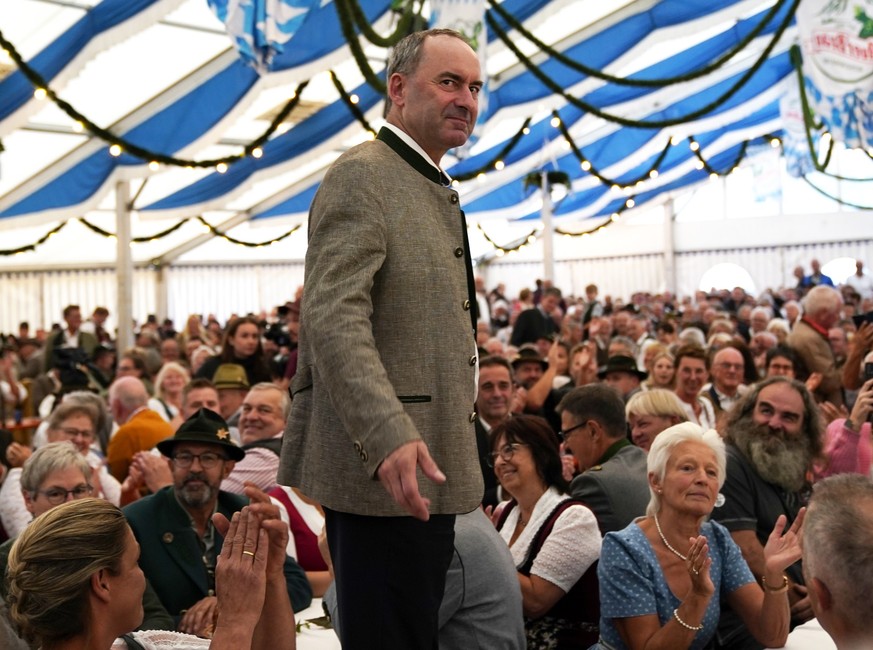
628	257
39	297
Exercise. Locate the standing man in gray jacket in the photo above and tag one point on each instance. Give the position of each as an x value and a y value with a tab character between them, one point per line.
381	426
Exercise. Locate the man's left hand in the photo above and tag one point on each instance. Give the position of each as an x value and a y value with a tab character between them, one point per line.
200	618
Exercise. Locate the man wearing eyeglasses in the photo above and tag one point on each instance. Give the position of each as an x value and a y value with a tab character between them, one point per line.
178	544
613	480
727	387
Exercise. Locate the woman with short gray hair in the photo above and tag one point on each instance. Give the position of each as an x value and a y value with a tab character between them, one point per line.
663	577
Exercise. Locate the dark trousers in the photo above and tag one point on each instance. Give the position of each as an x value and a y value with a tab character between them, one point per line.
390	578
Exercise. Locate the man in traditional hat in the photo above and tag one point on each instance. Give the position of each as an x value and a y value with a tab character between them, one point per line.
179	545
528	366
622	374
232	384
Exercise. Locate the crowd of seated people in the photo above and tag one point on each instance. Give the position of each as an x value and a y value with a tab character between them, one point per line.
572	406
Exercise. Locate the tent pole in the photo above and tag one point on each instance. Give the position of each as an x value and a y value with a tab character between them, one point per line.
124	266
548	231
669	247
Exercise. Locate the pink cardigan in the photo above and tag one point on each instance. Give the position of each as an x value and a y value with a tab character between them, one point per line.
847	451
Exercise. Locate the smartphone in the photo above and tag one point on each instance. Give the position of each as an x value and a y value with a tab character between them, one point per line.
868	371
860	319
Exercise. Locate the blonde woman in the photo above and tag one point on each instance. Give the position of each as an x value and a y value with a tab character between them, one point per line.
651	412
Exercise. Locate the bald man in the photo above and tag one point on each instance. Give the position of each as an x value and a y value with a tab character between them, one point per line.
140	428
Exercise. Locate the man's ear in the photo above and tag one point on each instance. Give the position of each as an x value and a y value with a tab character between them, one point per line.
228	468
28	501
396	88
820	596
100	586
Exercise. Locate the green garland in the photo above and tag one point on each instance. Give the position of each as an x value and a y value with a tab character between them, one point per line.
353	107
215	231
38	242
346	8
797	61
740	156
834	198
129	147
549	83
515	24
506	249
346	22
498	157
136	240
582	158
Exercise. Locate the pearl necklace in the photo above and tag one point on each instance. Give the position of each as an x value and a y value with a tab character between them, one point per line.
666	543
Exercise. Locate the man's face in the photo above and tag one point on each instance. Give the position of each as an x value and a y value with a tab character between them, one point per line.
579	441
727	370
838	341
73	319
170	350
495	394
779	407
528	373
780	367
229	401
759	321
623	382
437	104
549	303
636	328
690	376
773	439
200	398
620	323
261	415
197	486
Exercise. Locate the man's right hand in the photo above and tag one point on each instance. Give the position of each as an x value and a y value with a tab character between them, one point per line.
397	474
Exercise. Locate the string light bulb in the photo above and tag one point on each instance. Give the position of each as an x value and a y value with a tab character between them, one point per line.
653	173
257	152
555	122
78	127
585	165
354	99
39	94
694	146
154	166
698	165
499	165
531	239
775	142
630	203
526	130
221	167
115	151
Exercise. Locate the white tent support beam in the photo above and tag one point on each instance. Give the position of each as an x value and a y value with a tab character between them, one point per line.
669	247
548	228
124	266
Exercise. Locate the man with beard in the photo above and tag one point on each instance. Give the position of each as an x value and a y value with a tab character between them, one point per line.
179	545
773	435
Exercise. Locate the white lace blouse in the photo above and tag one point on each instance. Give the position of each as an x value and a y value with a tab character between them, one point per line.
572	546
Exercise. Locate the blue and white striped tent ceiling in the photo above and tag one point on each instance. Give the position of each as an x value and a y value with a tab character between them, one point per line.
163	74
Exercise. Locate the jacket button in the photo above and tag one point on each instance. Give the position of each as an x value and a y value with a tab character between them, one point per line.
473	417
358	447
365	456
167	538
454	198
473	360
459	252
466	305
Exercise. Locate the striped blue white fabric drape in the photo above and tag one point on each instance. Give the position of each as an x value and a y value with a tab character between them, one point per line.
260	28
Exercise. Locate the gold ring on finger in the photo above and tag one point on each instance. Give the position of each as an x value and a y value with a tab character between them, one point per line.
248	553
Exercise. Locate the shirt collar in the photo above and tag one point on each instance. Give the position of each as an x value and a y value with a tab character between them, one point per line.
412	144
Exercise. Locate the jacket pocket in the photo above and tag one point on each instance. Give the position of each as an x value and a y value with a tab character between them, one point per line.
414	399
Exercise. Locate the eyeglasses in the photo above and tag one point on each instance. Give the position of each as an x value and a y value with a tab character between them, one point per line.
563	435
57	496
75	433
505	452
207	459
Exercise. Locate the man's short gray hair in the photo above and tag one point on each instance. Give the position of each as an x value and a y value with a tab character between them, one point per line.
821	298
836	546
284	399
